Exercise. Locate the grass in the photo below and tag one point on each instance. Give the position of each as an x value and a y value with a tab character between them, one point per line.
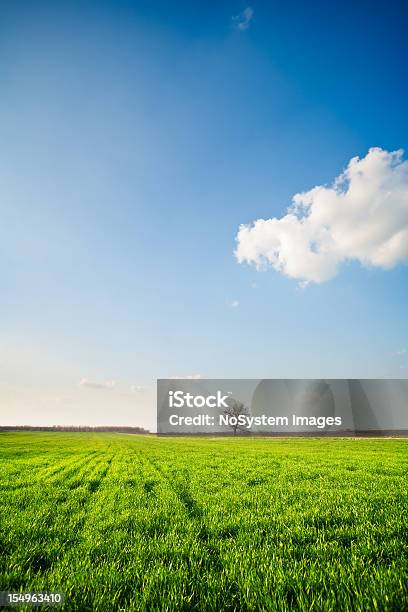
122	522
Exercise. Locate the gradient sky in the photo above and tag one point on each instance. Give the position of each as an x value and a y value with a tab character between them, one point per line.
135	138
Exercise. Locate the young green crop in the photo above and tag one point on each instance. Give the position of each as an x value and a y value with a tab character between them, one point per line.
121	522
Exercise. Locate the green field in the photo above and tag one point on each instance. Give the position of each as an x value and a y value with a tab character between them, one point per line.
122	522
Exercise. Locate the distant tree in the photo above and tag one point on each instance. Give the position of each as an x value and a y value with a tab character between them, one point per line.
233	411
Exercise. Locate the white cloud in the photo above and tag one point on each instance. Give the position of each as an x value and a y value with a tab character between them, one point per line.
362	216
242	20
137	388
402	351
108	384
234	304
190	377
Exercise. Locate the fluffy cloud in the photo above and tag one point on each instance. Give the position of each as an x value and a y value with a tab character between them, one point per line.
362	216
109	384
243	20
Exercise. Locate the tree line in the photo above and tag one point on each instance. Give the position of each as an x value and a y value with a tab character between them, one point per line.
98	428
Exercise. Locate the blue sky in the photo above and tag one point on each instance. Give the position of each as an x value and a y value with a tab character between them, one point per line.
136	137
